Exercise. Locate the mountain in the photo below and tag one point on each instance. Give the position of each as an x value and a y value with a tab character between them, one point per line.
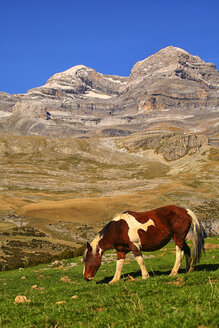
168	91
126	143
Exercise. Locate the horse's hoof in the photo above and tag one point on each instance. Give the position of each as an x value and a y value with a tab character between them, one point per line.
145	277
113	282
191	269
173	274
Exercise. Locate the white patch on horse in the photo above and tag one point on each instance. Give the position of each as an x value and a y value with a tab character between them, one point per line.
100	251
134	226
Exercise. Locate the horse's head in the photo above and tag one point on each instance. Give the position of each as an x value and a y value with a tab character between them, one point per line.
92	261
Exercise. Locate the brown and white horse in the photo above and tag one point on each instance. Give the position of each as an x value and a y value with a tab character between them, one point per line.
145	231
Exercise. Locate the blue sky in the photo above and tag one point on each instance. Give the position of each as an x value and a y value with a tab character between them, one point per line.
43	37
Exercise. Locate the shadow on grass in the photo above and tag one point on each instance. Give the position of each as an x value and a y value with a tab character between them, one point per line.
136	274
201	267
207	267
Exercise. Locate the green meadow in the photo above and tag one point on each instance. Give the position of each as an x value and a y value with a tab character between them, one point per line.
56	295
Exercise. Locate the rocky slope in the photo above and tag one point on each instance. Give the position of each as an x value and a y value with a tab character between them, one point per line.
168	91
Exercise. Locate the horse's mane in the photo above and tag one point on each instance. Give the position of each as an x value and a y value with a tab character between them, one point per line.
105	229
116	218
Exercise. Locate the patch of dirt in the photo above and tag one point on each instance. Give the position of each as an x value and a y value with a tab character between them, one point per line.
211	246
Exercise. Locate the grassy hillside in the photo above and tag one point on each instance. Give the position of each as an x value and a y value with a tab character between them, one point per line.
57	296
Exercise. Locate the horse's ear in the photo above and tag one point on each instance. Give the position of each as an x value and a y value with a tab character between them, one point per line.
88	246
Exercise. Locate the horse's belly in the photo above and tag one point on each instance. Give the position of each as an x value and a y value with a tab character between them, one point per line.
153	239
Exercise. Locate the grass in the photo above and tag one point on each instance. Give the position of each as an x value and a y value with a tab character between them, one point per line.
188	300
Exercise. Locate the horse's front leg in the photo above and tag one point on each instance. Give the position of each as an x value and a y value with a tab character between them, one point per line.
140	260
119	264
144	271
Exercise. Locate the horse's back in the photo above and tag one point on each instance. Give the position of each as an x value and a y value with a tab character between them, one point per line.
169	216
166	222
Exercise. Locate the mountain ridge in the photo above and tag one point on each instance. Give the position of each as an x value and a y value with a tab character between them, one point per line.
80	101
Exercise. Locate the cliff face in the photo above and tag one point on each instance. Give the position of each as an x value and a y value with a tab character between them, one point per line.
170	90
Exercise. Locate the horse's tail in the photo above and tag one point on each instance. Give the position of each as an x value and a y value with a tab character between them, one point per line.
197	238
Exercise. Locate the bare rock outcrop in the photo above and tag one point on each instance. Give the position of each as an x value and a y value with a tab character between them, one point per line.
26	114
178	146
171	146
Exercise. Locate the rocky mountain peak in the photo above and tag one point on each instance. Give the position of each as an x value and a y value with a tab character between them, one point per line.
69	74
164	62
172	77
79	81
73	70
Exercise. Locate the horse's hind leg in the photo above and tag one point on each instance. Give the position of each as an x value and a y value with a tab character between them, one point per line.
119	264
179	256
181	247
187	253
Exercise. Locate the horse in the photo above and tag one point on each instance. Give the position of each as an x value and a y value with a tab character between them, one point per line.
145	231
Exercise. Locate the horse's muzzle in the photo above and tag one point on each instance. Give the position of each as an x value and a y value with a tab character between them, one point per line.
88	278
